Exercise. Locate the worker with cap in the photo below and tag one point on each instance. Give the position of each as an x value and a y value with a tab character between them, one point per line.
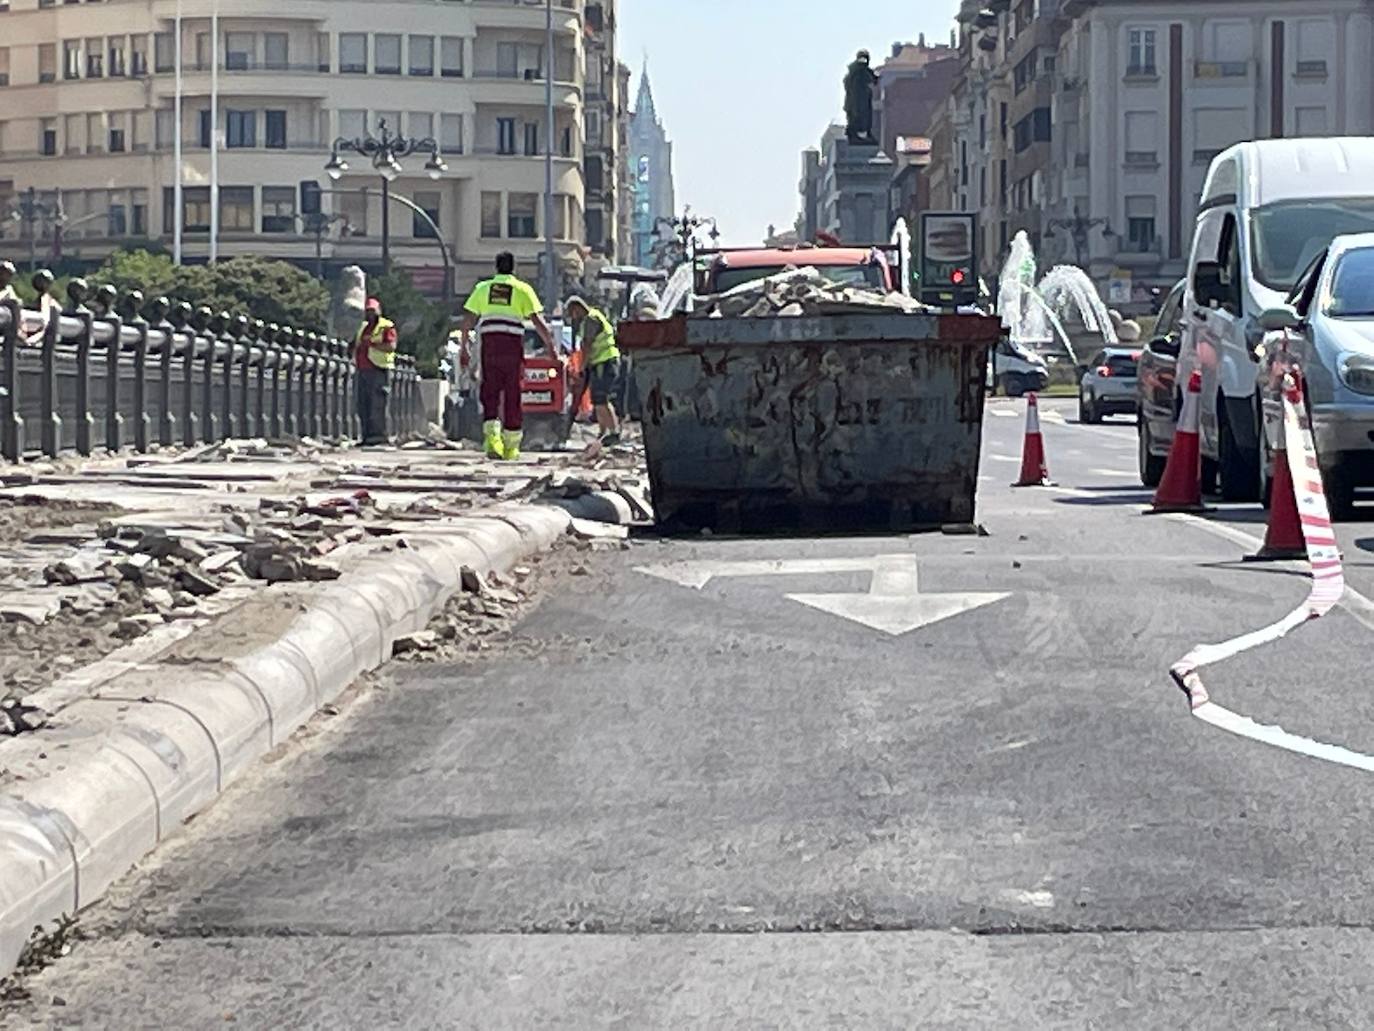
498	309
374	353
601	357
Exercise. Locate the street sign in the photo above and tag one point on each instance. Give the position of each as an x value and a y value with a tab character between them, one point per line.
949	258
893	603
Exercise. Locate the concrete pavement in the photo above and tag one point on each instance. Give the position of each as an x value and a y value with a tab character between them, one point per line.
703	795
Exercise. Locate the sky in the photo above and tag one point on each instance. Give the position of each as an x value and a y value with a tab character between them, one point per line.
743	86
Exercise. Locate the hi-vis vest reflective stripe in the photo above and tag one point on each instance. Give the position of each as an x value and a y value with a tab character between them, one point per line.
380	358
501	303
603	346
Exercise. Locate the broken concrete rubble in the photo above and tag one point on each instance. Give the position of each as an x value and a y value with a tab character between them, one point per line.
802	291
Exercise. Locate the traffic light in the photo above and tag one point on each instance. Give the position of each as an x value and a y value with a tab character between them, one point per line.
310	197
958	276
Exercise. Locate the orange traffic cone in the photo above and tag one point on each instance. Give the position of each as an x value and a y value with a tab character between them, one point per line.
1180	489
1283	539
1034	471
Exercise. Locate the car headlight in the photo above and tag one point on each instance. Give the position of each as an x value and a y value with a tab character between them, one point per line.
1357	373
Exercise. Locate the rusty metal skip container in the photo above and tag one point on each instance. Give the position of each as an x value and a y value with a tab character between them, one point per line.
841	422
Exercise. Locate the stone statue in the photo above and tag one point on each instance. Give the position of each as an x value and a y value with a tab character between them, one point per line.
858	100
349	297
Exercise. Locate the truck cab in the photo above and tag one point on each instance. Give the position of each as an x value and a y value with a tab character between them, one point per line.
867	268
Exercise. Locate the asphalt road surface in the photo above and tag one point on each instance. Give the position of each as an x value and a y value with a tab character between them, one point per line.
880	782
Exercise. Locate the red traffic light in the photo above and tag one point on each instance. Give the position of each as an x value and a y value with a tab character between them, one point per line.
957	277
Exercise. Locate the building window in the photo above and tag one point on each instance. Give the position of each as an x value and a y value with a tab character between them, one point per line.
388	54
531	139
278	209
140	213
118	224
491	215
429	204
276	51
1140	56
353	207
117	140
352	124
71	60
507	60
47	137
95	59
238	51
505	135
522	216
451	133
593	170
241	129
420	124
236	209
203	129
1024	73
164	52
422	56
353	53
1140	224
1311	121
138	56
47	62
596	230
276	130
451	57
195	208
117	66
567	148
164	127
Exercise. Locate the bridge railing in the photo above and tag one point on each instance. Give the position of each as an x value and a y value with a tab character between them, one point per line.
120	375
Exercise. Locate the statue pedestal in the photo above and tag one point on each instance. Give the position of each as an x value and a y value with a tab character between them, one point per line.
862	178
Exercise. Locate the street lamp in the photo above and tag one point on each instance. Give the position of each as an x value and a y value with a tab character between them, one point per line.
1078	228
28	211
385	151
682	231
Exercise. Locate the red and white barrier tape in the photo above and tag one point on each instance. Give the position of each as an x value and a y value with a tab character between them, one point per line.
1328	587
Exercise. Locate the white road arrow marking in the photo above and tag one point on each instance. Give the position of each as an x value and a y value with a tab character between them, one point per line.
893	603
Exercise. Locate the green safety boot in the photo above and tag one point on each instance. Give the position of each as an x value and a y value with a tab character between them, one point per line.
511	444
491	439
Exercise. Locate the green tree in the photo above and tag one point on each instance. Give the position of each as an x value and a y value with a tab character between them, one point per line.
423	325
274	291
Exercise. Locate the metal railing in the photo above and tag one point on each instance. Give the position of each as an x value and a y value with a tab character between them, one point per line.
114	376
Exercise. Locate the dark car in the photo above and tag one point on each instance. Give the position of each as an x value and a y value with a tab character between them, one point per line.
1155	392
1107	384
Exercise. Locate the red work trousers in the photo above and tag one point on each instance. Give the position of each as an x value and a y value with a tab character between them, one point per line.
503	368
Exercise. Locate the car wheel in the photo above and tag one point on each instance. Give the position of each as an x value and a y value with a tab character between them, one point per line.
1151	465
1236	467
1086	412
1013	385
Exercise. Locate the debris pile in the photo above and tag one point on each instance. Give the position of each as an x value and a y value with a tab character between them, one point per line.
802	291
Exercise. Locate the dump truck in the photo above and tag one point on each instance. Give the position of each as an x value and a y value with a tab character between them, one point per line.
812	407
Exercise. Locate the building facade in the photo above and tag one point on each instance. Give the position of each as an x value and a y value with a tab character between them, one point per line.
89	124
651	169
1148	93
604	155
1090	124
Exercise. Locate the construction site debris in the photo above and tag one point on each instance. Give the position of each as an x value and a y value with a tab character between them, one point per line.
802	291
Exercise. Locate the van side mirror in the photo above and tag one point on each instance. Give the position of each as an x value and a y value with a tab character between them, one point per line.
1283	317
1165	345
1208	288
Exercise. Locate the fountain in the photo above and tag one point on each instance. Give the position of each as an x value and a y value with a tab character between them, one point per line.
1031	311
901	239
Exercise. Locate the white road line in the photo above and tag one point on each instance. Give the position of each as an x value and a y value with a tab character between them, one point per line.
1005	413
1244	726
1114	472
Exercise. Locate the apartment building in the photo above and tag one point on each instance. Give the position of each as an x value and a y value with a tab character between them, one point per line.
88	122
1148	93
1091	123
604	151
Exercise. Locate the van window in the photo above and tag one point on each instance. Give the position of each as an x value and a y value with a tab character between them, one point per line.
1171	312
1224	181
1228	257
1286	236
1352	285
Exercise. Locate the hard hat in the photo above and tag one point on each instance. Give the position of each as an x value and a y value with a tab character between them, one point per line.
373	305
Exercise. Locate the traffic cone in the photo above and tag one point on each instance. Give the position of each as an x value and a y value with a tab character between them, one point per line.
1034	471
1180	489
1283	539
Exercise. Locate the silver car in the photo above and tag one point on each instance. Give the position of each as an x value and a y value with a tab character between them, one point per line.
1326	329
1108	384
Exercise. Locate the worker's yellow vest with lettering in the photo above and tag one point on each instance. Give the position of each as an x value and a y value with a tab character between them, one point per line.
377	355
603	347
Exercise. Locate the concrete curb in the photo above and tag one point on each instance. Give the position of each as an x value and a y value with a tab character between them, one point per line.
97	792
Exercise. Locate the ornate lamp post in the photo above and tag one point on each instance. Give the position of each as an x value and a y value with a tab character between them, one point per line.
1078	228
681	234
385	151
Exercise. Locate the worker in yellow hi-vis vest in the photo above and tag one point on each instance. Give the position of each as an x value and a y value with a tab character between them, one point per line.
601	357
374	352
498	308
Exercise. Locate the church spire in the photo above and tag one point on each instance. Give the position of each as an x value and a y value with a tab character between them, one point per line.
644	106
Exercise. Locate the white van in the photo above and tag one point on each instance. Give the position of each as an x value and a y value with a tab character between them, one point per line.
1268	208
